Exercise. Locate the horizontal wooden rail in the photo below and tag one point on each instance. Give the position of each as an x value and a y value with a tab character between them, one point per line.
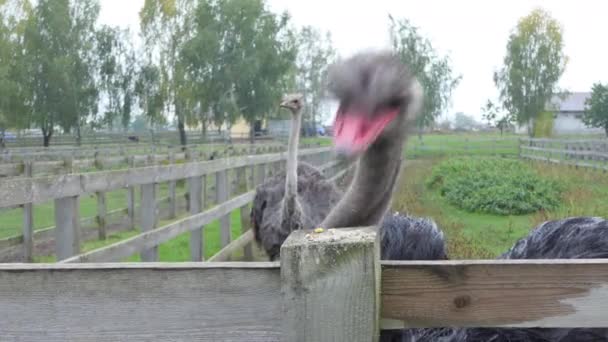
153	238
225	253
140	302
242	301
496	293
41	189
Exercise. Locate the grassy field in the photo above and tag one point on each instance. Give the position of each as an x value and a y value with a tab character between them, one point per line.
440	145
470	235
477	235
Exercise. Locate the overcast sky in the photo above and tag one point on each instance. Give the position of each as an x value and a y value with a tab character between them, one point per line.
473	32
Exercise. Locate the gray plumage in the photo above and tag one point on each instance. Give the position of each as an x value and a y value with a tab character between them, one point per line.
298	198
404	237
316	194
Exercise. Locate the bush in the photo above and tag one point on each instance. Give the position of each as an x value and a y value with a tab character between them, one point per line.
494	185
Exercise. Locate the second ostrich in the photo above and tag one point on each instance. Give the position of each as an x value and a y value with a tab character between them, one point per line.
298	199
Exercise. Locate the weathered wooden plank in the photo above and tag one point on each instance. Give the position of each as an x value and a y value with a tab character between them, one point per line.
241	242
148	219
196	206
128	247
493	293
101	203
222	191
141	302
28	221
41	189
67	242
172	186
101	215
330	285
241	177
131	198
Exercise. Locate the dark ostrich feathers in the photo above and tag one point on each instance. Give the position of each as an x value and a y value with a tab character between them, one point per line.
406	237
316	197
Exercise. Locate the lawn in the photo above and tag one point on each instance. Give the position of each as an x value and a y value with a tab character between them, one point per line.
174	250
439	145
473	235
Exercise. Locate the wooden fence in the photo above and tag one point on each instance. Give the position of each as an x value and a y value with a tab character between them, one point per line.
574	152
99	138
328	286
65	189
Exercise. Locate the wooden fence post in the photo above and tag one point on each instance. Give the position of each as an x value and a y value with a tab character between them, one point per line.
131	198
148	218
330	285
101	203
28	221
172	185
196	206
241	176
67	227
260	175
222	193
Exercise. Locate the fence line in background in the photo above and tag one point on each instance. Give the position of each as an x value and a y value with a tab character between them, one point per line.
231	178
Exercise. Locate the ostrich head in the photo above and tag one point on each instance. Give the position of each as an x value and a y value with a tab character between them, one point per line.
377	98
293	102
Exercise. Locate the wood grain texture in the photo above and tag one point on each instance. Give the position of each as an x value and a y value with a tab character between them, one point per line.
195	189
28	222
148	219
128	247
140	302
492	293
241	242
67	227
222	191
241	178
330	285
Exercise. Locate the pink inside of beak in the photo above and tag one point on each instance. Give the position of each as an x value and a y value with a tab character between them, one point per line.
354	132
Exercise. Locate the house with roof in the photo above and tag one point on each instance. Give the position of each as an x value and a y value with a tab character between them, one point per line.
568	111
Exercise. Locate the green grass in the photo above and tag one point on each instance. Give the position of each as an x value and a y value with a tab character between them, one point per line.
174	250
439	145
477	235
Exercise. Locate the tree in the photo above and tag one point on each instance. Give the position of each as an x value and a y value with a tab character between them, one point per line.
59	58
532	67
596	108
433	72
117	69
13	107
464	122
491	113
315	54
166	25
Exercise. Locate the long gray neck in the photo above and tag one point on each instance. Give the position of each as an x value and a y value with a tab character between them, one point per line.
291	181
369	196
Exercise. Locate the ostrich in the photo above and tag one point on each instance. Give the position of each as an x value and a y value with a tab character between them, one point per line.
298	199
378	99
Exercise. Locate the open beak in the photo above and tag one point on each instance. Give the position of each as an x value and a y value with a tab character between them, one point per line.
355	131
284	104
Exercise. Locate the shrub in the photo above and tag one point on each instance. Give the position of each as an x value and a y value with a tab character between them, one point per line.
494	185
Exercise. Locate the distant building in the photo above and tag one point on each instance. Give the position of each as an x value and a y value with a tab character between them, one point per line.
567	115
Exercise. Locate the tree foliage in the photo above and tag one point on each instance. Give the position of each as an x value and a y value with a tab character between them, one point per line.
533	65
433	71
315	53
491	114
596	108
